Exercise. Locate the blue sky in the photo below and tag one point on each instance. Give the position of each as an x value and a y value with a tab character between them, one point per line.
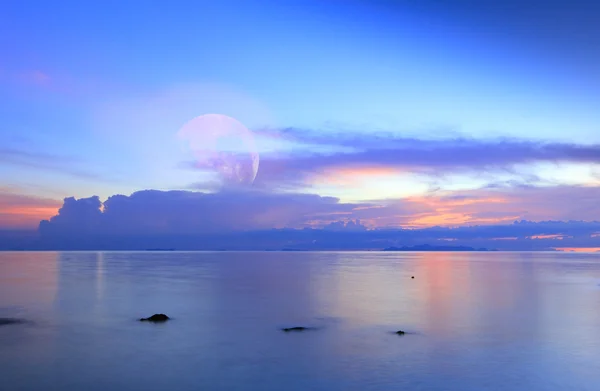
92	95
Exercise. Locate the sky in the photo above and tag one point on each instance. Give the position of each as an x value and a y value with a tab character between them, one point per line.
402	114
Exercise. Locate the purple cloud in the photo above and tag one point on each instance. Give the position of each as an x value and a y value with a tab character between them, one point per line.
185	212
259	220
432	157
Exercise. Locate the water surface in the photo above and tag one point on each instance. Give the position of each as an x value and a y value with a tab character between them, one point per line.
475	321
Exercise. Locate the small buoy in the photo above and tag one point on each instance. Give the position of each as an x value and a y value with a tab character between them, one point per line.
413	277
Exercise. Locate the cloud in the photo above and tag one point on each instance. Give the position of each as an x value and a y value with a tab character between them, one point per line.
152	211
32	77
330	153
485	206
46	162
259	220
36	77
186	212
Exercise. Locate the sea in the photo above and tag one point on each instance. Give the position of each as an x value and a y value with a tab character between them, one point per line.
472	321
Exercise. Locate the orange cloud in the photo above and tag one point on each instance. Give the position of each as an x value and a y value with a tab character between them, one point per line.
455	219
23	211
353	175
453	211
448	202
479	207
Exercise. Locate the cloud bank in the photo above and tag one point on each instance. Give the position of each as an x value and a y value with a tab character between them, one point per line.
186	212
260	220
280	213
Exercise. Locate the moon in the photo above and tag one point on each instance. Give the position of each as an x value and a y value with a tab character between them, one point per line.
223	144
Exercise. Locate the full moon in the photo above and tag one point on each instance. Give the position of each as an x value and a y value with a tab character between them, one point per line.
224	145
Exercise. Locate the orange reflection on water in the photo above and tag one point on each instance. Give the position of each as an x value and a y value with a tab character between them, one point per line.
28	278
441	278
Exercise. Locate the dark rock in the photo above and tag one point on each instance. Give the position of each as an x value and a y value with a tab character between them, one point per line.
7	321
297	328
413	277
400	332
156	318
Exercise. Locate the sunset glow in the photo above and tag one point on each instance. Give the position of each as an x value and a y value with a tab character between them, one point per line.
380	115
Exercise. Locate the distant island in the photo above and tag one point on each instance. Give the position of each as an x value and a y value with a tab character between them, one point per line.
160	249
427	247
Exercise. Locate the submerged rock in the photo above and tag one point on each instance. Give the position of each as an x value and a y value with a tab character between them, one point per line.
7	321
156	318
297	328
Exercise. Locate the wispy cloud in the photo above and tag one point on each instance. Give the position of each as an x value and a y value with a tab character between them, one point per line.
36	77
47	162
486	206
24	211
430	157
31	77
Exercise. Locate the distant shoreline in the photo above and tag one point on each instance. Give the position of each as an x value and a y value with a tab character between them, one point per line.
427	248
296	250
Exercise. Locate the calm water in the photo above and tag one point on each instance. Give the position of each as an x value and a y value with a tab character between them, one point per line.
478	321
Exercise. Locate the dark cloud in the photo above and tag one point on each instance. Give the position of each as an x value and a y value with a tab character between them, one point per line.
432	157
186	212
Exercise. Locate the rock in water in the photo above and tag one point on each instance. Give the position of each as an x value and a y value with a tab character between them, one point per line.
7	321
297	328
156	318
400	332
